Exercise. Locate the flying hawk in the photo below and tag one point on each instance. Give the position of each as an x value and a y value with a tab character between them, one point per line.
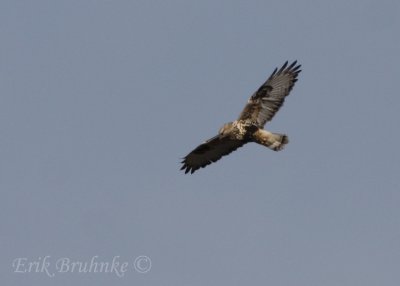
260	108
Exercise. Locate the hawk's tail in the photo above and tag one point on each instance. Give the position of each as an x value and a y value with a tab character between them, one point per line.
273	141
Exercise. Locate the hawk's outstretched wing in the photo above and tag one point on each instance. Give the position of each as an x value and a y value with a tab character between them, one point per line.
210	151
267	100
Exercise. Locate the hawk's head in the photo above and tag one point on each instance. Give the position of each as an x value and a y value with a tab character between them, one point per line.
226	129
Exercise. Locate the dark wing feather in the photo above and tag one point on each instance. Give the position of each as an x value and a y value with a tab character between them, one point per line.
210	151
267	100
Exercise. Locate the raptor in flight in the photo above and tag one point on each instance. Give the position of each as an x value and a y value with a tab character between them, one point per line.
260	108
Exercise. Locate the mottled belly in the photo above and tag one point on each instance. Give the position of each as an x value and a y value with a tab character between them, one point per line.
243	130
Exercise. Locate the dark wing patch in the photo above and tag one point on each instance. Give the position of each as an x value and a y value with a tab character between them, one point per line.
267	100
210	151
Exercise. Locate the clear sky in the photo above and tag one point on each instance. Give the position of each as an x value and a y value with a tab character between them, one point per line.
99	100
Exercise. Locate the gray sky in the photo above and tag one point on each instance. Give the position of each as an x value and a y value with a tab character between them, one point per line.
101	98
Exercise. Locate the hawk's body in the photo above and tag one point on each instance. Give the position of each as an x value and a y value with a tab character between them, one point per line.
260	108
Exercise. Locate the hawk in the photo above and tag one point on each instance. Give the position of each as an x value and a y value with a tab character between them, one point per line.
260	108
